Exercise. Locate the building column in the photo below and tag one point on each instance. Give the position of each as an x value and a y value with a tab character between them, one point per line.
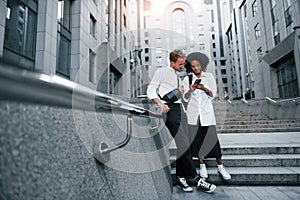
46	37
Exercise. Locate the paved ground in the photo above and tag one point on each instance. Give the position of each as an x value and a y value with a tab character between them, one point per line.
249	192
241	193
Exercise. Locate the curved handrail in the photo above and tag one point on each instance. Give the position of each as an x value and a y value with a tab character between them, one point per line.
28	86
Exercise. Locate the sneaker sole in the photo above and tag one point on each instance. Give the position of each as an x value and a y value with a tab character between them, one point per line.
185	190
213	188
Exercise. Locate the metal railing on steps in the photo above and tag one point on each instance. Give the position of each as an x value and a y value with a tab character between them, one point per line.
282	101
21	85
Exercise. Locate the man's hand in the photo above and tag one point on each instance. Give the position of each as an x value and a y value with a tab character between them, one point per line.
164	107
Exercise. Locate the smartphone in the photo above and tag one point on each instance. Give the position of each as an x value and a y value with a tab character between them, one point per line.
197	81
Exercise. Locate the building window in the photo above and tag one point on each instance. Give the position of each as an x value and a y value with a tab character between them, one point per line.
159	59
223	62
212	16
124	20
254	8
276	34
63	52
147	59
201	37
125	42
92	66
288	15
213	36
201	27
63	57
64	13
158	40
257	31
224	80
146	50
114	77
158	50
223	71
93	23
287	78
259	54
20	32
214	54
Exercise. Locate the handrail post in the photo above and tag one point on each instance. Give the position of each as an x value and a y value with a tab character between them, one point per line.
102	151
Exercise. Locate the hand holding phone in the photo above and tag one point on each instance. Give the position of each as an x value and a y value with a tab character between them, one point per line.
197	81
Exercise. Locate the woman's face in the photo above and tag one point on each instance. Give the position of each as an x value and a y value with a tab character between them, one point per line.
196	67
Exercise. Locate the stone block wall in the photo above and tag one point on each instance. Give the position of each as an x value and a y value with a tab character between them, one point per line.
46	153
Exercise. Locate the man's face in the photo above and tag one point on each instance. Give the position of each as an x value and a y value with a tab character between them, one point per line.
178	65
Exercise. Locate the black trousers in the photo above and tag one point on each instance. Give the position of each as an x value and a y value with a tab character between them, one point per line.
205	142
175	120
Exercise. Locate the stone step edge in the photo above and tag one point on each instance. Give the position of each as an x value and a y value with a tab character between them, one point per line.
253	170
250	156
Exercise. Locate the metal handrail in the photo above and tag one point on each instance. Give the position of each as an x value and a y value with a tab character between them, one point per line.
282	101
23	85
28	86
244	101
271	100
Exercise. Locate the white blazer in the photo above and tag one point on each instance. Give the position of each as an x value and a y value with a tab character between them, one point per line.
199	103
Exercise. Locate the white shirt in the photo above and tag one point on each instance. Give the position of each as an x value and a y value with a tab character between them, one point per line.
164	80
200	104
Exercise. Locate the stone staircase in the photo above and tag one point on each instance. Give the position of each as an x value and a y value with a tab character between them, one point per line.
256	150
233	122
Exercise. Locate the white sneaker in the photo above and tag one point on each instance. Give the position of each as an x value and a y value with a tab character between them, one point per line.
225	175
203	171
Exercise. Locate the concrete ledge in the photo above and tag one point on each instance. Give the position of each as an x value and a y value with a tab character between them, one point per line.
45	153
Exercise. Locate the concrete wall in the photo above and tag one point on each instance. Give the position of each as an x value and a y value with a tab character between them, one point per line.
287	110
45	153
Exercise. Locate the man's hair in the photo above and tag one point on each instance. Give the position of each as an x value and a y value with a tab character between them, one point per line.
175	54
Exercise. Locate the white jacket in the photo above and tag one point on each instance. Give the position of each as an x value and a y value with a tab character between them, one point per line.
199	103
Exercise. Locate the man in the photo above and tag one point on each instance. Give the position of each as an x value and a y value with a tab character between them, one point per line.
165	80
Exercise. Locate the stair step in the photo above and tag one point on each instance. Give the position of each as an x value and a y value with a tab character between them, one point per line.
254	176
260	160
254	149
267	149
284	122
260	130
244	126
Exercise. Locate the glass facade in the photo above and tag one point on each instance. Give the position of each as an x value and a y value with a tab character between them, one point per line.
63	55
20	32
287	78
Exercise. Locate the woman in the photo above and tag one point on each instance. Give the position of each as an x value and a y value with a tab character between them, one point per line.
200	88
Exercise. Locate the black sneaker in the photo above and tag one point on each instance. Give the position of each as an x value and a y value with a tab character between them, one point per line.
205	186
193	181
181	183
